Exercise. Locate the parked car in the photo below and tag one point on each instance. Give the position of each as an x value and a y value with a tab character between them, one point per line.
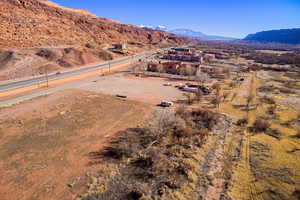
121	96
180	86
167	84
166	104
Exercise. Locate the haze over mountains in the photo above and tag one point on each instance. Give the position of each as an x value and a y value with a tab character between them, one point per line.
189	33
284	36
199	35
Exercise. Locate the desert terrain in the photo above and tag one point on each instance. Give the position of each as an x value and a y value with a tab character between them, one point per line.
38	37
235	137
106	110
45	136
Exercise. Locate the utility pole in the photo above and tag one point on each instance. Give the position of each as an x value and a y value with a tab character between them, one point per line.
132	57
46	74
108	66
33	76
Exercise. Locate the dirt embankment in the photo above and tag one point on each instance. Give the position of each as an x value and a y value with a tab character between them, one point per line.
39	61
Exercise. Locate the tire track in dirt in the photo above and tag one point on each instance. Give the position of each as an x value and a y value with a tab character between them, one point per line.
213	167
247	135
245	100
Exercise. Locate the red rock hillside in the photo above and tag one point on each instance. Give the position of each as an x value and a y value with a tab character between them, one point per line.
32	23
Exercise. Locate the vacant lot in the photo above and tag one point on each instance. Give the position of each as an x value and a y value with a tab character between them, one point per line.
44	142
146	89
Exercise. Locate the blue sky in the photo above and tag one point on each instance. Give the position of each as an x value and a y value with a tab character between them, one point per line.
235	18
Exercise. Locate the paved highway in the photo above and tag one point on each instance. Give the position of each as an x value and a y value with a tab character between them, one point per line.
41	79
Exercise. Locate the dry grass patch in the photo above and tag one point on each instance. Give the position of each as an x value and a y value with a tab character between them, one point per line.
156	160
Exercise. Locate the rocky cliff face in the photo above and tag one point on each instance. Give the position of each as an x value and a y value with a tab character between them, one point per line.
31	23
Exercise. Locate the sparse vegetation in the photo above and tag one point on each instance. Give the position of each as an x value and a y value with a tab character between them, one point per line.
90	45
274	133
297	135
260	125
104	55
47	54
154	159
266	58
267	100
242	122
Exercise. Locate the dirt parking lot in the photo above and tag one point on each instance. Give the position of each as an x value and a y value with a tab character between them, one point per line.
145	89
45	142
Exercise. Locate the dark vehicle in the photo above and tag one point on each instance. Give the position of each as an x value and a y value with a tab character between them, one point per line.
165	104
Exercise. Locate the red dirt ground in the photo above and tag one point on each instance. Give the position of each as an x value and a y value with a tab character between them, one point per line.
44	143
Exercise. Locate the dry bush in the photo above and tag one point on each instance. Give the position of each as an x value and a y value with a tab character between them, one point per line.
64	63
232	84
5	55
271	110
216	101
286	91
274	133
242	122
190	98
297	135
105	55
267	100
260	126
151	159
202	119
91	45
47	54
267	88
225	95
291	84
181	111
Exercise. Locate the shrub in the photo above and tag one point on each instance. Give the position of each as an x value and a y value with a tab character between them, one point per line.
260	126
204	118
189	98
271	110
90	45
267	100
143	162
267	88
105	55
297	136
242	122
274	133
216	101
5	55
47	54
286	91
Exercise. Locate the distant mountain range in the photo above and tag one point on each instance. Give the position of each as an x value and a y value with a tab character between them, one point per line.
189	33
199	35
286	36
